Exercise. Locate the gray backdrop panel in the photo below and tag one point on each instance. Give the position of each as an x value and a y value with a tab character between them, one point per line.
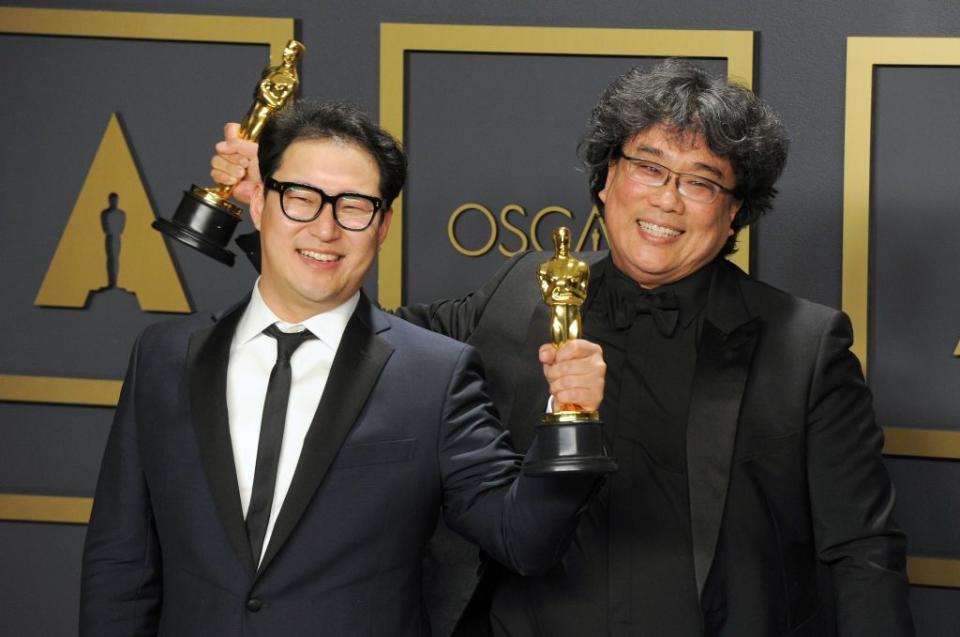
494	130
174	97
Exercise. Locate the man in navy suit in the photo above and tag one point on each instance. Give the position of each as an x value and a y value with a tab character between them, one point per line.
198	530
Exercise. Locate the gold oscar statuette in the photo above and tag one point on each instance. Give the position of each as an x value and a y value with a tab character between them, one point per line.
570	439
206	218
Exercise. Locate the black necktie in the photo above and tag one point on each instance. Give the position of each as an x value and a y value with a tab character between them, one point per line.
271	437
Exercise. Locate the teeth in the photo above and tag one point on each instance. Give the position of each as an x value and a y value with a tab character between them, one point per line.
659	231
320	256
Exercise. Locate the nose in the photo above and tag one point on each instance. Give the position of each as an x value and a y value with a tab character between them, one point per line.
324	227
667	197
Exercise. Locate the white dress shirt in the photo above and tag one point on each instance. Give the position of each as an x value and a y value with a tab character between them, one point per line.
252	356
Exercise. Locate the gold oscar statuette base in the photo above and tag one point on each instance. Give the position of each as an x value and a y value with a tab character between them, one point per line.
569	442
204	220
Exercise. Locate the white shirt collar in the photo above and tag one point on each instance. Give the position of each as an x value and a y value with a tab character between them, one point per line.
327	326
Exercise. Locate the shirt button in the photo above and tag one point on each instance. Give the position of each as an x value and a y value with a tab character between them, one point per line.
254	604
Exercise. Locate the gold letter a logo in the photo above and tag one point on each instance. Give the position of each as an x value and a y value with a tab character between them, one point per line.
108	241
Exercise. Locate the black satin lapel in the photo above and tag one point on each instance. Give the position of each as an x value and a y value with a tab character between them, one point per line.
719	381
208	356
356	367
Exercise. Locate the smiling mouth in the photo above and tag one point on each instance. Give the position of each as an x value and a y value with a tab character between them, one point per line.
658	231
320	256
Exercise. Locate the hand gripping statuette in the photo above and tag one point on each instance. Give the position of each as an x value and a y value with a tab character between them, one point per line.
206	218
570	439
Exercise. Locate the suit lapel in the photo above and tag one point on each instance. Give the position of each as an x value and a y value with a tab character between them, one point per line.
207	358
356	367
727	343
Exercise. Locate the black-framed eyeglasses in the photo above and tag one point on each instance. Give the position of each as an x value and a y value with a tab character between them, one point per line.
304	203
693	187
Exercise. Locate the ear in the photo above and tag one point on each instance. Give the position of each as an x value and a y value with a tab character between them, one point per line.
385	220
256	204
734	208
611	169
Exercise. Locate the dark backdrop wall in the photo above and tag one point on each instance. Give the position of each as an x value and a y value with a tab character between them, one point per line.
490	130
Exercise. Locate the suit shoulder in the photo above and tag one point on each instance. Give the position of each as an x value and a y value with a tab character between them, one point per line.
404	334
175	326
182	326
767	300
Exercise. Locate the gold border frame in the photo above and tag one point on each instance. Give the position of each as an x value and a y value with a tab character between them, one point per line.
273	32
933	571
130	25
398	39
863	54
939	444
59	390
16	507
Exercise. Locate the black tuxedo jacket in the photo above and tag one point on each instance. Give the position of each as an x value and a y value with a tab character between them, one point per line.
789	500
403	430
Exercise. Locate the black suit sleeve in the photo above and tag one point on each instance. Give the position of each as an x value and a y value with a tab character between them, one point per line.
852	497
121	578
457	318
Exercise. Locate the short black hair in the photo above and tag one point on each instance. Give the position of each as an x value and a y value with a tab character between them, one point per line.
342	121
687	100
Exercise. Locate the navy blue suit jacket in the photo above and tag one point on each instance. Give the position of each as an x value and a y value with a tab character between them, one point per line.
404	430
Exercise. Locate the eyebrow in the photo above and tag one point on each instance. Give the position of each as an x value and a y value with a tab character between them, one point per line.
702	166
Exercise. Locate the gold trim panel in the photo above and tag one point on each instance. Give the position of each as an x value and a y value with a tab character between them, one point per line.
15	507
922	571
934	571
177	27
274	32
60	390
863	54
398	39
921	443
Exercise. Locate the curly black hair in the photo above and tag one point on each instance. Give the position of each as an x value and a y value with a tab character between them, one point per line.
687	100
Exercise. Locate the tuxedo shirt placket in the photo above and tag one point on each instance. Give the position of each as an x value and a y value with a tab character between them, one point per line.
652	584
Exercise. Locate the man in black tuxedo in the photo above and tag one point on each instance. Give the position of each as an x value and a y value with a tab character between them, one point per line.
751	500
277	468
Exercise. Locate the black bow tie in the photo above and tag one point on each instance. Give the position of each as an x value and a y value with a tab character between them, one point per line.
626	304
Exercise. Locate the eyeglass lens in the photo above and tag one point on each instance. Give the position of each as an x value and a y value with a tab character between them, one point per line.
690	186
351	212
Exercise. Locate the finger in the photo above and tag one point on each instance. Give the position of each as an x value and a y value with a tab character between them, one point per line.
547	353
228	166
559	380
586	400
578	349
226	175
244	191
231	151
231	130
253	167
592	367
584	390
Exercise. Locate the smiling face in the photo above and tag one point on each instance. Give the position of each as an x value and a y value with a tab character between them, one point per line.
309	268
656	235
